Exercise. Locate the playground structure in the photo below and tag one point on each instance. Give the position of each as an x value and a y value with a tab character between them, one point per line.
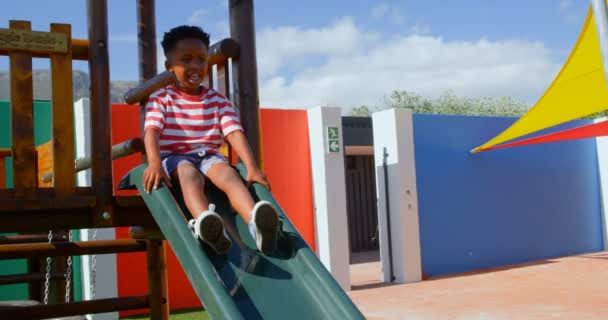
45	196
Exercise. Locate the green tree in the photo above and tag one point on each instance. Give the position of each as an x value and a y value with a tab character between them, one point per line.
362	111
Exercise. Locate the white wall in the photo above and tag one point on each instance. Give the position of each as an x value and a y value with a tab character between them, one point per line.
602	164
105	271
393	130
329	192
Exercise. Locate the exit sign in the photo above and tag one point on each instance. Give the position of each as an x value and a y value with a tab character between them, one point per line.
333	140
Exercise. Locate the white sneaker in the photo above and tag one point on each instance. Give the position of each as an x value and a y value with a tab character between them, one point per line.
263	226
209	227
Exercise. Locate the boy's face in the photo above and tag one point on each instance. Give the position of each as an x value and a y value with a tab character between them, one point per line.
188	61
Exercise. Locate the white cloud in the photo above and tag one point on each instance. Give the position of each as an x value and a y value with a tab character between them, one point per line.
384	11
355	67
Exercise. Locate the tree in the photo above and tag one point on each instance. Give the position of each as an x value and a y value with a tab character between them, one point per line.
362	111
449	103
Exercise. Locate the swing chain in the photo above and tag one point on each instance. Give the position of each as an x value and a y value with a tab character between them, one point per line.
47	276
68	276
93	268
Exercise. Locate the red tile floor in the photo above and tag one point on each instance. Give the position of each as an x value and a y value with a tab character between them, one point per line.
567	288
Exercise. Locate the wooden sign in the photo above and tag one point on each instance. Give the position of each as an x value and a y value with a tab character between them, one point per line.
11	39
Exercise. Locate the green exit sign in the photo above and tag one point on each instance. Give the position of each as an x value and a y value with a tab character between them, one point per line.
333	139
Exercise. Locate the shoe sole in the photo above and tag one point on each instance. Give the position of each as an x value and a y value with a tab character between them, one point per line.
212	233
267	222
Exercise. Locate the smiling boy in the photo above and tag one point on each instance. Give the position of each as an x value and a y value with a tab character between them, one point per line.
185	125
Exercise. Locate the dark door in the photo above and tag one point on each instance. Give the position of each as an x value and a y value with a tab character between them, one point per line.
361	203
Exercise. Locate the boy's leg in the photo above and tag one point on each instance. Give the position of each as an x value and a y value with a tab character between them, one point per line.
193	186
229	181
207	225
261	217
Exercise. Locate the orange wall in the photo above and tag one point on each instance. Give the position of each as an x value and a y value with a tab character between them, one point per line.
286	163
286	156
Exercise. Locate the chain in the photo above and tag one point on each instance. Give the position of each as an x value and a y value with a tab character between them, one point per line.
93	268
68	276
47	276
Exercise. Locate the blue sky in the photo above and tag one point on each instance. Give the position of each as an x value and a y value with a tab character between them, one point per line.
348	53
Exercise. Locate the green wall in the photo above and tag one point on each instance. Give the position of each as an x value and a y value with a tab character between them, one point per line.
42	134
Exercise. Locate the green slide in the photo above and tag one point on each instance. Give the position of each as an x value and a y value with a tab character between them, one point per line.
244	284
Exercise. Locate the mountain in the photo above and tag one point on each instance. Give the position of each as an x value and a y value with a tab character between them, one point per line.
81	81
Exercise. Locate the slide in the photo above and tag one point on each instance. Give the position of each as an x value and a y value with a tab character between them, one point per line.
244	284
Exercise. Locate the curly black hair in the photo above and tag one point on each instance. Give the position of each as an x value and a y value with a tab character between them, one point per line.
176	34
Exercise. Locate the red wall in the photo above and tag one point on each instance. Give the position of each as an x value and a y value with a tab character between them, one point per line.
286	163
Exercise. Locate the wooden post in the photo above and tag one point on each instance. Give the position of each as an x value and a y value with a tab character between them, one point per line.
146	36
34	287
223	85
246	94
2	174
156	251
63	117
101	164
157	280
22	105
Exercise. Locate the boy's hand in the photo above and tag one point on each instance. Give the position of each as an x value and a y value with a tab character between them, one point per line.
256	175
153	175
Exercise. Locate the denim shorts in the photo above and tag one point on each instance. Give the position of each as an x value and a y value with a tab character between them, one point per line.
202	161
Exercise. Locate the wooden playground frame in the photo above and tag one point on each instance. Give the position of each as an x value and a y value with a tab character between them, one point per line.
30	208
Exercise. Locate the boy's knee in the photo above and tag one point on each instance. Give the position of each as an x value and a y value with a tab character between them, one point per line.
188	175
226	177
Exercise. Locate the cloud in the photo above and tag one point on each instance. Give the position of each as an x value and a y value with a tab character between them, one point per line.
342	65
383	11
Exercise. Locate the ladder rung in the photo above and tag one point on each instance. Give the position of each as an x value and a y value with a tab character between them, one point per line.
20	251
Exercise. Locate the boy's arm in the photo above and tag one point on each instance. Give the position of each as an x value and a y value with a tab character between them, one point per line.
238	141
154	123
155	172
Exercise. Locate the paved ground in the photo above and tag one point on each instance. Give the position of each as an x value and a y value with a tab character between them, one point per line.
567	288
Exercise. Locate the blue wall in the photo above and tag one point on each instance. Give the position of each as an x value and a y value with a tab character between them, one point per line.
501	207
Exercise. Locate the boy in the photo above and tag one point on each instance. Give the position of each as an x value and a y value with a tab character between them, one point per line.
185	125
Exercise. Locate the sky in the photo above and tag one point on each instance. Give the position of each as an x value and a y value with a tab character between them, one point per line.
348	53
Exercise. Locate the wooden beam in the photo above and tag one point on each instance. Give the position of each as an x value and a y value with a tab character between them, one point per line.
28	278
63	116
30	238
101	164
157	279
43	220
34	288
39	200
26	250
246	91
141	233
74	308
22	106
223	86
80	51
2	173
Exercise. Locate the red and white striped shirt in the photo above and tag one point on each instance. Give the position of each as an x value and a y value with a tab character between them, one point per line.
189	123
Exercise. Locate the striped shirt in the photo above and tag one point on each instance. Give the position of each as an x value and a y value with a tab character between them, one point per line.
189	124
